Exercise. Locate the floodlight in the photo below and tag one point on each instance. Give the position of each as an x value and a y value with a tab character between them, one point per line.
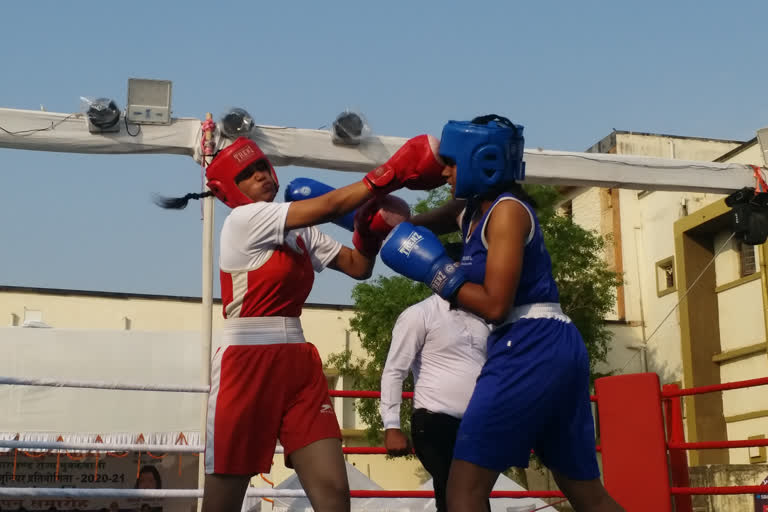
237	122
103	116
749	215
149	101
348	128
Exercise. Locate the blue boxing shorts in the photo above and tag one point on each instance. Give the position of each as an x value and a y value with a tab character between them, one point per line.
533	393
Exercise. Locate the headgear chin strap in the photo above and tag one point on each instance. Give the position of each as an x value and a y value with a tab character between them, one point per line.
488	152
227	164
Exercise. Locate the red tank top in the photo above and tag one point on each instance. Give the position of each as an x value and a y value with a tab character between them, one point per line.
277	288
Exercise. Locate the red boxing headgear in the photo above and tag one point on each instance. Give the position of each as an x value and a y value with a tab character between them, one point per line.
227	164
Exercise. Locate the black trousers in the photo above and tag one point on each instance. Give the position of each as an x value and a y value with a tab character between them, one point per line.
434	437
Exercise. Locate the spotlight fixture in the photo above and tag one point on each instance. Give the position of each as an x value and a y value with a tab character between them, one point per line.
749	215
349	128
236	122
103	116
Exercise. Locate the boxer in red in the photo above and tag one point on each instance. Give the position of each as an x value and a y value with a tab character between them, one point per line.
267	382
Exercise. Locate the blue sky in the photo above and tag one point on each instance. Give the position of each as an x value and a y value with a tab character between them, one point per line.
569	71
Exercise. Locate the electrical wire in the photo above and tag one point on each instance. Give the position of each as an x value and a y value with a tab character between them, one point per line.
34	130
647	340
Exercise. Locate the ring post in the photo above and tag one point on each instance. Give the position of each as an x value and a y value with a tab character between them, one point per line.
678	459
206	328
635	468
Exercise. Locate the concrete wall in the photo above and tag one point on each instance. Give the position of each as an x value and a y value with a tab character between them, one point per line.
730	475
676	148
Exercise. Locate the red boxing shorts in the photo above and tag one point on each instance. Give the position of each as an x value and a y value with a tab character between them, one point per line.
262	393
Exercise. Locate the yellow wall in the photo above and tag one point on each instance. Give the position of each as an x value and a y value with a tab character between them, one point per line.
325	326
647	236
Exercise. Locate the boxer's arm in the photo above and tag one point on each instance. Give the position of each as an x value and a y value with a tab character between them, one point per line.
441	220
507	231
353	263
415	166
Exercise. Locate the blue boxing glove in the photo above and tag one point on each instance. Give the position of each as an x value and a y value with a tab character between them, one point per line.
307	188
417	253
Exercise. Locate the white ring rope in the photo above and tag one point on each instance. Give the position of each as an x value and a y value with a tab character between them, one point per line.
100	447
69	492
105	447
58	383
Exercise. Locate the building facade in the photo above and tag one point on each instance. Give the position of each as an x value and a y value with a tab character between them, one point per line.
693	304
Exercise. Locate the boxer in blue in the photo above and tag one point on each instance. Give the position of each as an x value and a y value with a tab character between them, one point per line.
533	392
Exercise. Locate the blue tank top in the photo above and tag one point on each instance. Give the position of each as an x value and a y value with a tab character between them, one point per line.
536	282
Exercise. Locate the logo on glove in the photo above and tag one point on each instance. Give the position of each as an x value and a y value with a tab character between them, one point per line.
410	243
439	280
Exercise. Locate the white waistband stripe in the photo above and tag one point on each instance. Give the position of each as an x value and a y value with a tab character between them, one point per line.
536	310
267	330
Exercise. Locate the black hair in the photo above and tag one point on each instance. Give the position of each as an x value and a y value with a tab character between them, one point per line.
178	203
155	474
494	117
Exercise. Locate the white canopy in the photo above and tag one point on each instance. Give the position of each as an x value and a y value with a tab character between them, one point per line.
357	481
47	131
500	504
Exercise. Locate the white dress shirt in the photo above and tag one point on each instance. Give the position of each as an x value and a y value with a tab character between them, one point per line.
445	349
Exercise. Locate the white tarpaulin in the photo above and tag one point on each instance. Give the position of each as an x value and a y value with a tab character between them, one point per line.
500	504
47	131
357	481
142	357
68	133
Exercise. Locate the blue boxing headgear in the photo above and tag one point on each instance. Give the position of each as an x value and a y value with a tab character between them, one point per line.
488	152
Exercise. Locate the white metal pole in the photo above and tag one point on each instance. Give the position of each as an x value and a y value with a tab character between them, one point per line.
208	144
206	328
207	320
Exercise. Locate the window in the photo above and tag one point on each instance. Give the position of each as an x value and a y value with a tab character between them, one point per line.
757	453
748	264
33	318
665	276
32	315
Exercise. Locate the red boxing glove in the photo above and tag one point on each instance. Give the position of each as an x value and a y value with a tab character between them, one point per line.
375	219
415	166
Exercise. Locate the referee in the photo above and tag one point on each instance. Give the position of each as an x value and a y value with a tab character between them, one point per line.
445	350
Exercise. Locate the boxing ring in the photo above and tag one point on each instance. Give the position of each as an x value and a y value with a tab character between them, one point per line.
640	421
641	433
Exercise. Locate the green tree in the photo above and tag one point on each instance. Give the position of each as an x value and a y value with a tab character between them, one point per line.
587	294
